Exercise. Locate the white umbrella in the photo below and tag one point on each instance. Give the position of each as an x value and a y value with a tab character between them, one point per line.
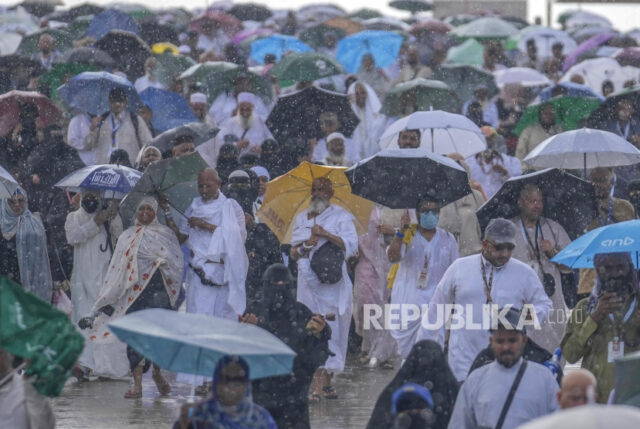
441	132
545	38
523	75
7	184
9	42
583	18
595	71
595	416
583	148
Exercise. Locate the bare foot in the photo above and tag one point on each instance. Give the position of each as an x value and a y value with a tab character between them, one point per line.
161	383
133	393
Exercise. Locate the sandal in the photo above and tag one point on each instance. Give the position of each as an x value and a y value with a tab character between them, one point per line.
133	394
161	383
329	392
314	398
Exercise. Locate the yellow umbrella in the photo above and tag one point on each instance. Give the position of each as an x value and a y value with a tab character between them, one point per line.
347	25
162	47
290	194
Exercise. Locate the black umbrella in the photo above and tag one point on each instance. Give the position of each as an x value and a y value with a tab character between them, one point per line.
568	200
608	110
128	50
250	12
297	114
88	55
153	32
75	12
200	132
399	178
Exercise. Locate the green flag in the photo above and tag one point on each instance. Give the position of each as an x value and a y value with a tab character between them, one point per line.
35	330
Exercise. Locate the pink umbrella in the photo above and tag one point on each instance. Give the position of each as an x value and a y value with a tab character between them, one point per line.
587	45
229	23
430	26
256	32
10	102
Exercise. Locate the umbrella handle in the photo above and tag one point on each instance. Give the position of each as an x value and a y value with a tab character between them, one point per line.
15	370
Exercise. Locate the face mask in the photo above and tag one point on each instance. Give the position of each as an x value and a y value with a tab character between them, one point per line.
90	205
428	220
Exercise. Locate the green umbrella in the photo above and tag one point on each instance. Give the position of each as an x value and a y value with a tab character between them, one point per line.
314	36
485	29
365	14
217	77
306	67
570	111
471	52
60	73
78	26
463	79
29	44
34	330
412	6
136	11
429	95
169	65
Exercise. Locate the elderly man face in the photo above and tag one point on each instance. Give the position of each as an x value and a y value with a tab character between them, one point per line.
46	44
602	180
531	203
336	146
199	109
208	184
321	193
245	110
577	386
409	139
614	273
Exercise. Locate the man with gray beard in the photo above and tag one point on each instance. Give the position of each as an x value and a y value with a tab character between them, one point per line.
324	237
247	125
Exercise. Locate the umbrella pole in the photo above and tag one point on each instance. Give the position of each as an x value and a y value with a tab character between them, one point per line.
433	143
585	165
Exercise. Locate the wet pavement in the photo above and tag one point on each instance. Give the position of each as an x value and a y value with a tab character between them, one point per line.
100	404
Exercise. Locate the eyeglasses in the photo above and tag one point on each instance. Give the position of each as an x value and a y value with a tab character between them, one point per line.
502	246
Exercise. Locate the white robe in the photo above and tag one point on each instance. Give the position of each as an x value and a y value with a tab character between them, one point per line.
367	134
144	82
79	128
90	266
351	150
328	298
125	137
514	283
490	180
256	134
224	105
441	251
22	407
485	391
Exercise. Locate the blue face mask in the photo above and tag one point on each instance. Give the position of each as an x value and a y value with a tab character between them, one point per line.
428	220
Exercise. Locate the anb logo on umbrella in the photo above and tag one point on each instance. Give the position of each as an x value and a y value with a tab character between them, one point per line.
618	242
106	178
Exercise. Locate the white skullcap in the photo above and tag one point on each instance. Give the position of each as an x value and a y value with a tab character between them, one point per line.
334	136
198	97
246	97
261	171
184	49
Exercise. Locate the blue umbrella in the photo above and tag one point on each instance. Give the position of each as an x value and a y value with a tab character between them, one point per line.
89	92
382	45
571	89
109	20
169	109
114	181
278	45
618	237
193	343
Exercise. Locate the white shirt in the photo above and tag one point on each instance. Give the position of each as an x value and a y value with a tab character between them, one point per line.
514	283
144	82
492	181
482	396
256	133
351	150
103	141
79	128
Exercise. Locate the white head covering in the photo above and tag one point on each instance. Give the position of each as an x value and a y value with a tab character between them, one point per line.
184	49
333	136
198	97
261	171
373	102
246	97
142	151
149	201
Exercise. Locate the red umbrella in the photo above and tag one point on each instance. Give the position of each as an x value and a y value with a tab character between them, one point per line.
229	23
430	26
628	57
48	112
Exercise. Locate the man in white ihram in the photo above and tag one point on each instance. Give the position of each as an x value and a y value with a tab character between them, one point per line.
247	125
325	224
491	277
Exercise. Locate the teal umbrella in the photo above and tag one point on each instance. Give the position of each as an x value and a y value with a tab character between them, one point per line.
471	52
169	66
570	112
485	29
193	343
306	67
424	94
29	44
412	6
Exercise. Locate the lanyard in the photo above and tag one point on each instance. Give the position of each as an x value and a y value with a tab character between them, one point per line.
114	130
609	213
624	133
487	284
626	317
536	249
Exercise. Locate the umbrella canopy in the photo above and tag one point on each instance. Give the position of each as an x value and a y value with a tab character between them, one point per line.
10	102
627	385
251	34
165	48
114	181
29	44
412	6
522	75
250	12
290	194
617	237
384	46
399	178
485	29
229	23
386	24
598	70
297	114
586	46
18	21
583	18
315	36
306	67
464	79
431	25
153	32
441	132
570	112
628	57
278	45
568	200
320	12
170	109
422	94
7	184
201	132
470	52
544	37
584	148
193	343
570	89
608	110
594	416
90	56
128	50
170	66
365	14
111	19
345	24
9	42
89	92
136	11
175	178
59	74
74	12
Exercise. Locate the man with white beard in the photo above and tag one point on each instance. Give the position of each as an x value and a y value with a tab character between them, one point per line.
366	105
248	126
324	237
336	151
222	108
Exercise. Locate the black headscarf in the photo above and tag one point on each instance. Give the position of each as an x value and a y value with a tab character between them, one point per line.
426	366
227	161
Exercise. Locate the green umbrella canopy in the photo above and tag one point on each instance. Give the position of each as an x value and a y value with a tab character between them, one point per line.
512	42
426	94
365	14
217	77
463	79
29	44
60	73
78	26
485	29
471	52
570	111
315	35
412	6
306	66
169	65
136	11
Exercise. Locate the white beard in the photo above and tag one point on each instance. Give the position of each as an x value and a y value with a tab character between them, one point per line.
246	123
318	205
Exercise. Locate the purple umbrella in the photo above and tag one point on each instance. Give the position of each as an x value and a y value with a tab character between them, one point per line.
587	45
256	32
